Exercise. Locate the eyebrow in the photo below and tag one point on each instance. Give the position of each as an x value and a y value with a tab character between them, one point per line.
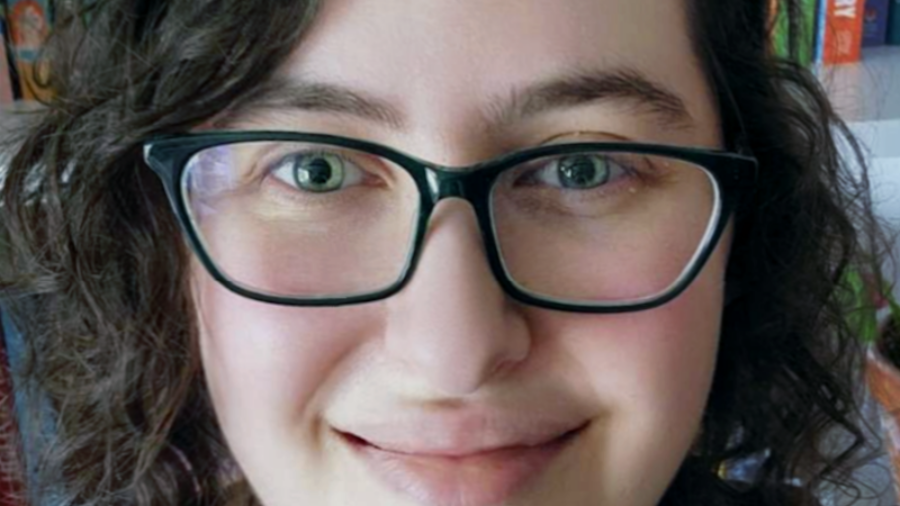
624	85
284	94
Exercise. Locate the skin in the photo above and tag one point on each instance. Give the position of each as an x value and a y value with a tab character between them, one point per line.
280	377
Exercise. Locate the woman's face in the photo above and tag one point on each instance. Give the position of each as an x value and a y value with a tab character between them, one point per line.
449	393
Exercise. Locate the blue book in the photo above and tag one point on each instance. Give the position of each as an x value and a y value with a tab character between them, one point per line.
893	36
821	17
875	23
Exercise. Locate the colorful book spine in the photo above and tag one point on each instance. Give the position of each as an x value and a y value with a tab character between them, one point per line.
893	35
809	30
12	473
839	37
29	25
875	23
6	88
781	30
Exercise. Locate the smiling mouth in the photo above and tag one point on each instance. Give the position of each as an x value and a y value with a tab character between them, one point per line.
482	478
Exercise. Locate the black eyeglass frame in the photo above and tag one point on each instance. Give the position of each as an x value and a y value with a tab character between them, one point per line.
733	173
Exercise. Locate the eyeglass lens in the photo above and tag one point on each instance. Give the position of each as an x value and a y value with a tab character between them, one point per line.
310	220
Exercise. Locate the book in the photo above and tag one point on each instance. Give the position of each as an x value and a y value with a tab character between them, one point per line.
6	88
893	35
781	30
839	36
875	23
12	472
29	26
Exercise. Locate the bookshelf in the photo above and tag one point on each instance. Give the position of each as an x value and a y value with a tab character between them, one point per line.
867	96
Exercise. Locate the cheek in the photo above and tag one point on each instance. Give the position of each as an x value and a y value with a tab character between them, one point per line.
650	373
270	361
656	359
656	364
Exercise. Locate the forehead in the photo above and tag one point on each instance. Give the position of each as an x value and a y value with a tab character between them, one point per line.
498	36
428	57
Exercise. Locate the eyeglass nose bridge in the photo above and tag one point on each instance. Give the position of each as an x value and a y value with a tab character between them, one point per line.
444	183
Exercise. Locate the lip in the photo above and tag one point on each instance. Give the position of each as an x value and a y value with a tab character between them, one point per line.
461	432
457	476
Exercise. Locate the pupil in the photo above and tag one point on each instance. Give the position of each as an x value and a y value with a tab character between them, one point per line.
577	170
319	171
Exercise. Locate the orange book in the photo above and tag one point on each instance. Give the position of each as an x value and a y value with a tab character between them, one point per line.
840	31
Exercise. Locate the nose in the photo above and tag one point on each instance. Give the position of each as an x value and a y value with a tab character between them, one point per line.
452	324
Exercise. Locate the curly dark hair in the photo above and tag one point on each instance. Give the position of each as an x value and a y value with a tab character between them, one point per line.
96	272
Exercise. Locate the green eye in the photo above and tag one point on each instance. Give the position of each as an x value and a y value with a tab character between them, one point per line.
582	171
318	173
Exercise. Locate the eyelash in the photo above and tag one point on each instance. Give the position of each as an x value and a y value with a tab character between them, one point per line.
528	174
266	168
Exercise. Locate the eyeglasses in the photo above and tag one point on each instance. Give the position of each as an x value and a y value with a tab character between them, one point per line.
308	219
